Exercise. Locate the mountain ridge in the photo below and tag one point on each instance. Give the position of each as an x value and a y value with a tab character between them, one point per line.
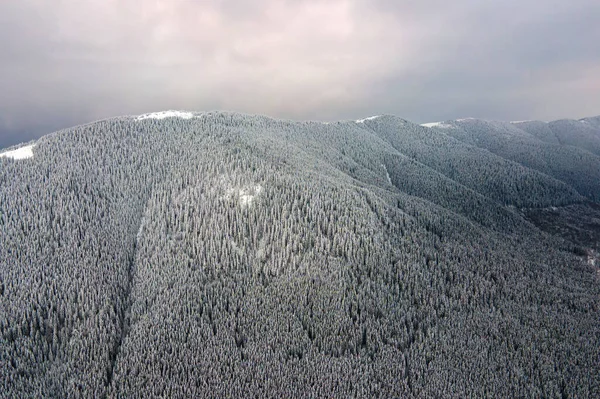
236	255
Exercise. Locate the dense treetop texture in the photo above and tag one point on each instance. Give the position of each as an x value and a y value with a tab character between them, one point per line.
225	255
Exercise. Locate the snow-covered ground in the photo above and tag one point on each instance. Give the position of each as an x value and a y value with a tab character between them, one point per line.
166	114
247	195
141	229
367	119
236	247
20	153
436	124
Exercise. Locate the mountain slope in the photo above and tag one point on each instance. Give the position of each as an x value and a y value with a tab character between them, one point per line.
535	148
492	176
581	134
219	254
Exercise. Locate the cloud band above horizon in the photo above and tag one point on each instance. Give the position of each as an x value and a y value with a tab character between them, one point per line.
67	62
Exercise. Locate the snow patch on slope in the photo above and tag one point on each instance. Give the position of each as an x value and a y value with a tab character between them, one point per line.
436	124
367	119
20	153
236	247
166	114
246	195
141	229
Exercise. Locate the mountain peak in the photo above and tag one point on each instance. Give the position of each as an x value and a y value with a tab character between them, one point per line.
19	153
166	114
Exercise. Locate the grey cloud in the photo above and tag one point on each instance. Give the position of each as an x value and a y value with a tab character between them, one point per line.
509	60
70	62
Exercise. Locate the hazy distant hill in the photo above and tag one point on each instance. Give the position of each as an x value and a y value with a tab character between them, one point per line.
563	149
217	254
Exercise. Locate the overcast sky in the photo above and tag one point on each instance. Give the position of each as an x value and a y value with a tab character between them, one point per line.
65	62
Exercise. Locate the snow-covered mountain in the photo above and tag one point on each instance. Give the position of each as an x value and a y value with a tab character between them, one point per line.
567	150
216	254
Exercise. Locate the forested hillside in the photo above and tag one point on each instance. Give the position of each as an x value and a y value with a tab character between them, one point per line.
560	149
218	254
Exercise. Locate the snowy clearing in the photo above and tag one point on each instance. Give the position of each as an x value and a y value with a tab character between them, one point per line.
465	119
436	124
432	124
515	122
367	119
247	195
236	248
19	153
166	114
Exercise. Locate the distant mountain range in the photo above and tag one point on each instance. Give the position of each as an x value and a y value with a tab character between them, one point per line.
217	254
560	149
